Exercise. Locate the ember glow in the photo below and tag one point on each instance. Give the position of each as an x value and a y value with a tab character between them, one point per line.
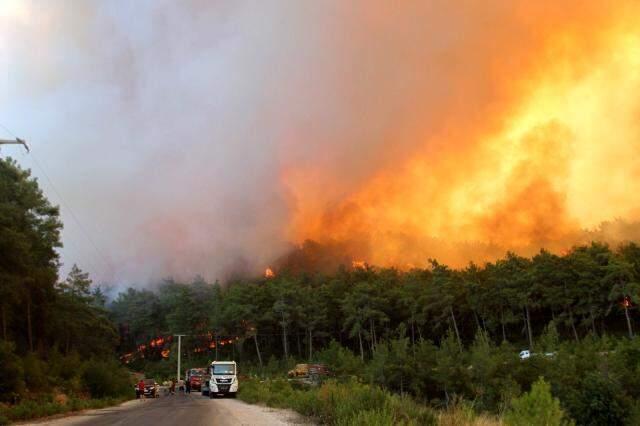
358	264
268	273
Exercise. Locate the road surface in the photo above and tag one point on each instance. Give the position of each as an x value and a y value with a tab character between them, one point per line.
179	409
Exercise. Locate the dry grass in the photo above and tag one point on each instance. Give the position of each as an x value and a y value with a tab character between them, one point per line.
460	415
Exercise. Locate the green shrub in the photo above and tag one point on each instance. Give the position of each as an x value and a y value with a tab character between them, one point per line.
598	401
339	403
342	361
33	409
536	408
11	384
379	417
106	379
35	376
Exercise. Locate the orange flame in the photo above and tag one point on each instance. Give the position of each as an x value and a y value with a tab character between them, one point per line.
513	160
268	273
358	264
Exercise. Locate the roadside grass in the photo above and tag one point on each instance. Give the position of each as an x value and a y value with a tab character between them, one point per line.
334	403
465	415
33	409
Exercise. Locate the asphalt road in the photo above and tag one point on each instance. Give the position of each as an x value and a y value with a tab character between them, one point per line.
179	409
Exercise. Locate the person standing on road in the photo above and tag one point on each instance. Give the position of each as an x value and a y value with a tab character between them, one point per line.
172	389
141	389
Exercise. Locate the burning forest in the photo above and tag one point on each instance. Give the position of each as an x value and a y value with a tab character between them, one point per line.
523	135
433	201
390	133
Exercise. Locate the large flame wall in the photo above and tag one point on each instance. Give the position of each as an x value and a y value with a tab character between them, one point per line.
521	130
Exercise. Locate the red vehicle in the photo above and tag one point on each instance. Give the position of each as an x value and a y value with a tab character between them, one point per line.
195	377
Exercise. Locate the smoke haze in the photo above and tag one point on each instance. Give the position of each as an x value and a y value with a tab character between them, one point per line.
208	138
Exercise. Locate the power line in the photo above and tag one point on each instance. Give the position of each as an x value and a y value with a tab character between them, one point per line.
66	206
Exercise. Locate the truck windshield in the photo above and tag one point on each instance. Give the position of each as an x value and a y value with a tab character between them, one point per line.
223	369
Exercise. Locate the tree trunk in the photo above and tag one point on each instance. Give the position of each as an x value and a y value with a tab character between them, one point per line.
216	345
298	342
573	325
310	344
413	337
526	310
361	347
284	337
255	339
419	333
626	314
455	327
593	321
4	322
29	325
504	332
373	336
475	316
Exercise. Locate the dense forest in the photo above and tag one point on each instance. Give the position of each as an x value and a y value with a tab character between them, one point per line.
589	291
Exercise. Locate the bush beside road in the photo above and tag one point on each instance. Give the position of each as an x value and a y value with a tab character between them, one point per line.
31	387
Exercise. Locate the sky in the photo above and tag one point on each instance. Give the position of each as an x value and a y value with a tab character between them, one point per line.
209	137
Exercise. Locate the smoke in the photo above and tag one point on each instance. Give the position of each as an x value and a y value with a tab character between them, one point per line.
208	137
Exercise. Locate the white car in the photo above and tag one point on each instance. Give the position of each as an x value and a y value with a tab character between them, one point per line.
224	379
526	354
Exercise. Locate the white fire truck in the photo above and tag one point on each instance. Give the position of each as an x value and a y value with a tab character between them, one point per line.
224	379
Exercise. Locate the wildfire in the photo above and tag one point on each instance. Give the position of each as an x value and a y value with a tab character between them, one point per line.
268	273
157	342
534	130
165	353
358	264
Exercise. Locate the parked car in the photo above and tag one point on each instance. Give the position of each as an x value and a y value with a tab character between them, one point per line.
151	389
526	354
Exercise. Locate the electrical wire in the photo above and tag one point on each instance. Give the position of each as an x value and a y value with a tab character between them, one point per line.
65	205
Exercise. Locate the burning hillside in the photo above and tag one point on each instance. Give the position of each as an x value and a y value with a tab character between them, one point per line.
521	130
385	132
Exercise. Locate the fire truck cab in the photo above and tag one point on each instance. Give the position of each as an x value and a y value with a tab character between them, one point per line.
224	379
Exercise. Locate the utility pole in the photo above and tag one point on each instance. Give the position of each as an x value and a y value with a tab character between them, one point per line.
179	336
16	141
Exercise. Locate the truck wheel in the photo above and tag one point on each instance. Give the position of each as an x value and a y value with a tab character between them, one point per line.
211	395
232	395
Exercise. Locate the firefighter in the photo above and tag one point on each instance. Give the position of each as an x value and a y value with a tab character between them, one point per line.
140	390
